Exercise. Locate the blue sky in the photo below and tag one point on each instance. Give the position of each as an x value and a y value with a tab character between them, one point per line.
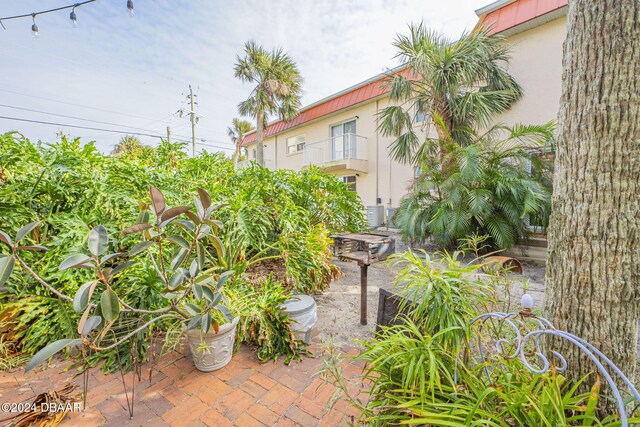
135	72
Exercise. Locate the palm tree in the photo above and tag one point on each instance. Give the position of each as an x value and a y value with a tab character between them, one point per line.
460	83
127	145
486	189
238	129
277	87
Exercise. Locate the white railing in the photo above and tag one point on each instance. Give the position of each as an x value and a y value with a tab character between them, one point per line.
343	147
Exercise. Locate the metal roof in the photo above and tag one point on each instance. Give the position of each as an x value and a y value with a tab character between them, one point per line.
504	15
354	95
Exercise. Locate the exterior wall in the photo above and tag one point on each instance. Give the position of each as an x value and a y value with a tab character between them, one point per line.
385	179
536	63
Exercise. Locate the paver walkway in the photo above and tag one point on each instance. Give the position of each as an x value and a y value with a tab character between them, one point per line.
244	393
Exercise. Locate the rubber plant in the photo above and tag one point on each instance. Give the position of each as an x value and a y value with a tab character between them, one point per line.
184	249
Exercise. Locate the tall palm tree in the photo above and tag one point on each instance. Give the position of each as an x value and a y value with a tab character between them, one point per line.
277	87
459	83
238	129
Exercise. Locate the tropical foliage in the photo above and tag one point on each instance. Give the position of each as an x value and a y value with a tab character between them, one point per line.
459	84
70	188
277	88
238	129
421	372
490	186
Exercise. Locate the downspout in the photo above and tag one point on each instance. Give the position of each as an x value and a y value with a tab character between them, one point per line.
275	162
377	156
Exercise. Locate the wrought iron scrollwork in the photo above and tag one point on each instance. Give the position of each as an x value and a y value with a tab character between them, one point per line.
526	344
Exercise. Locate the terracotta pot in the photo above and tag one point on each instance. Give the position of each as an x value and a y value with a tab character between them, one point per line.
219	347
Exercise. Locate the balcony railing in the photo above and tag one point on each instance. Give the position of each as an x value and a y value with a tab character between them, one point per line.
336	150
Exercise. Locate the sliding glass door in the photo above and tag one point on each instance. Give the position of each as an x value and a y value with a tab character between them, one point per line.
343	140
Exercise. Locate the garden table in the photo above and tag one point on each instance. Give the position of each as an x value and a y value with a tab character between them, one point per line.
365	249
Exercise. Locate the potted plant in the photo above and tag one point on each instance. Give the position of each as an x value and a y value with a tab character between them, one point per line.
187	255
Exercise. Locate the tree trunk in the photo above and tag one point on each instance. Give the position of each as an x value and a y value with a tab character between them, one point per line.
260	138
593	269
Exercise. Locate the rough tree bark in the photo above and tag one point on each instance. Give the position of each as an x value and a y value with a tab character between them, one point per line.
593	270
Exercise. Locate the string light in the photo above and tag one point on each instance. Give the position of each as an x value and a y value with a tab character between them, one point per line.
34	27
72	16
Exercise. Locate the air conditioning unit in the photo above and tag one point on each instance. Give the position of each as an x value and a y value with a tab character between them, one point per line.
375	215
390	213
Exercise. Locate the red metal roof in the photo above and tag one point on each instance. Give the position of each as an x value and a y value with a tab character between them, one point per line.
519	12
360	93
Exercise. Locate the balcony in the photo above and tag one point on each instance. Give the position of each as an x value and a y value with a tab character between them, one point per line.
348	152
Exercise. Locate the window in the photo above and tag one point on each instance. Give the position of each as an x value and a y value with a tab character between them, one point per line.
350	180
343	141
420	117
295	144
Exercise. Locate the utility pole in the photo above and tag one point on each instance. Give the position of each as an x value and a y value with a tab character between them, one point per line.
193	116
193	125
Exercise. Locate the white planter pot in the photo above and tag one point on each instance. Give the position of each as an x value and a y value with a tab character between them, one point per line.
219	346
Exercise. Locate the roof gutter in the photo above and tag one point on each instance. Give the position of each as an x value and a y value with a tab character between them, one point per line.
493	6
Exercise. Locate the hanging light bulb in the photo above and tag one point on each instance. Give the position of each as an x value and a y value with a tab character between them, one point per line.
34	27
130	7
73	17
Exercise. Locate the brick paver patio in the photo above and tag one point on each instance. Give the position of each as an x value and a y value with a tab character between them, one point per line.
244	393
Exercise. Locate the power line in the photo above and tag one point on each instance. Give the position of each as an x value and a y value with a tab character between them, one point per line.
100	129
77	118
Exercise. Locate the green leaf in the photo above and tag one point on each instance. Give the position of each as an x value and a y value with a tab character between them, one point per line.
194	269
192	308
49	351
74	261
92	323
206	323
207	293
176	279
157	200
98	240
109	305
136	228
225	312
180	241
223	278
118	268
22	233
140	247
197	291
194	322
83	295
178	258
217	244
6	268
4	237
110	257
199	208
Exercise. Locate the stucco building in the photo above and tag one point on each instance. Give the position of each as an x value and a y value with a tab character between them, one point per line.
340	132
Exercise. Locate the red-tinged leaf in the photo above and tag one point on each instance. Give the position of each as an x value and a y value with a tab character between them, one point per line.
193	217
6	268
22	233
173	212
77	260
4	237
204	197
135	229
157	200
33	248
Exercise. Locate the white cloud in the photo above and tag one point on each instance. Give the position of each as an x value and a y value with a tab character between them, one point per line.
138	69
